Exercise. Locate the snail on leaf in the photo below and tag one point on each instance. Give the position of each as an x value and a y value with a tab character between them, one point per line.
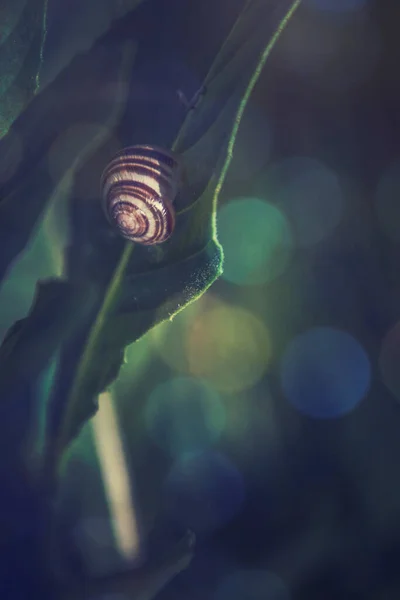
139	187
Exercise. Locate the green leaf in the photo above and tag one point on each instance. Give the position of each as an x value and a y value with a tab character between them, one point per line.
144	286
53	136
37	157
68	304
22	34
127	292
84	23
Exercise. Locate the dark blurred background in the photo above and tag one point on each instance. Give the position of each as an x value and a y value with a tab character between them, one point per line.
265	417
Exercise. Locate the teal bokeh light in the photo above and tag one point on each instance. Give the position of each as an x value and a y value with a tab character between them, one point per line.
325	373
256	240
309	195
183	415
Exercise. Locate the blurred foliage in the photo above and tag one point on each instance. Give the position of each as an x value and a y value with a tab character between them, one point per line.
108	296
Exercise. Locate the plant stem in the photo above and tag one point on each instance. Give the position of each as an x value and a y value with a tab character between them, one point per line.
110	299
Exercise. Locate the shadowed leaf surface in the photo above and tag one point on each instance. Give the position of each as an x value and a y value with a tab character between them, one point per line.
74	26
21	37
27	178
66	302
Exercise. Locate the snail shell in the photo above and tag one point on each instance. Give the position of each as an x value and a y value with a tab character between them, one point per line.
138	189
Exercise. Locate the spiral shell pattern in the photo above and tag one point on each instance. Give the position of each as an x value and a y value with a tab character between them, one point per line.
138	189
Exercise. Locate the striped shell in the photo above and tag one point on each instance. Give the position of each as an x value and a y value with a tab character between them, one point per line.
138	189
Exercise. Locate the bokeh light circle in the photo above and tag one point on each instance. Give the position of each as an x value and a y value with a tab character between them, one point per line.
252	584
225	345
389	360
229	347
325	373
256	240
184	414
387	203
308	193
204	491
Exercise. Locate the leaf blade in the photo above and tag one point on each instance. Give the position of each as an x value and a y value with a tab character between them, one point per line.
24	151
82	388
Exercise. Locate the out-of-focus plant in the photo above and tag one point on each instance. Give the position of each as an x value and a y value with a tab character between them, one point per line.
112	291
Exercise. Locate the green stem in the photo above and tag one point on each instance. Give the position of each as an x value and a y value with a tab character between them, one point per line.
110	299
